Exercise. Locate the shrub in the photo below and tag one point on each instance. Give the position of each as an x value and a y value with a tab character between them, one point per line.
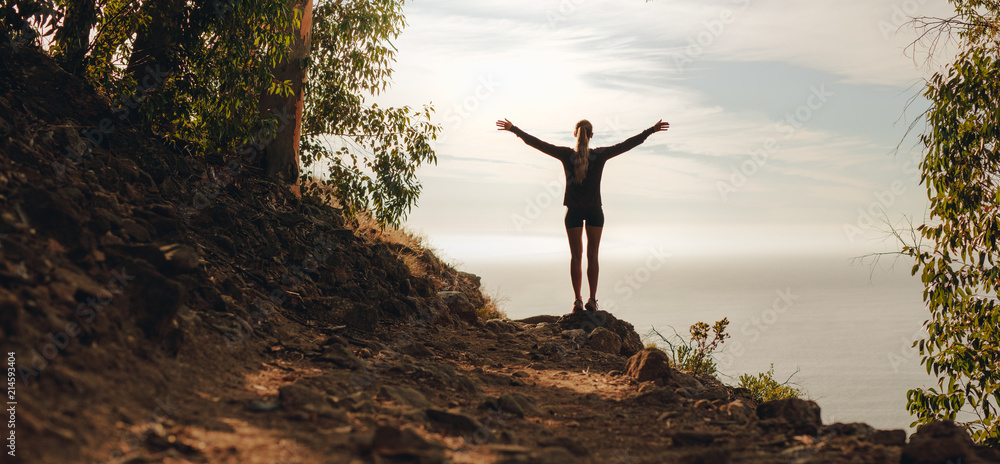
491	310
763	387
696	355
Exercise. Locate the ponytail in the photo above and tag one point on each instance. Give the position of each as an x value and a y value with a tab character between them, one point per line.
583	132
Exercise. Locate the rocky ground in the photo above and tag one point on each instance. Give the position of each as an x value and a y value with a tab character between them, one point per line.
163	308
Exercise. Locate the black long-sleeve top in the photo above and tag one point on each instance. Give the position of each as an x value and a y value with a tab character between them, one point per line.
586	194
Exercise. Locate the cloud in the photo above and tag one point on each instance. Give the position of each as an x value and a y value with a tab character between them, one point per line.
848	38
547	64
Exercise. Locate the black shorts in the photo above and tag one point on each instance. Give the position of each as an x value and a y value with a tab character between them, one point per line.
575	217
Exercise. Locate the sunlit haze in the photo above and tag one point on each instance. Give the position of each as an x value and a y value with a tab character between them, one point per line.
785	122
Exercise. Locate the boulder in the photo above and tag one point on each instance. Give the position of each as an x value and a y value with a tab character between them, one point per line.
500	326
590	320
649	364
739	411
304	403
801	416
577	337
404	396
854	429
604	340
470	284
631	342
416	349
179	258
341	356
510	405
939	442
539	319
895	437
686	380
714	392
460	306
657	395
455	422
518	404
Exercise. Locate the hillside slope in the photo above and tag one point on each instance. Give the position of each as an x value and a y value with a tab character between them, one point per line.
162	308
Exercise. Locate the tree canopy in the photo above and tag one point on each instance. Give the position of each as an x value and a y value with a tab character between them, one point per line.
197	73
372	152
958	255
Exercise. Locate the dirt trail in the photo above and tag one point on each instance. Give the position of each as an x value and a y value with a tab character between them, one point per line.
467	394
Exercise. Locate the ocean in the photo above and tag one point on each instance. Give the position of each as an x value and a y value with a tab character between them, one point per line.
841	330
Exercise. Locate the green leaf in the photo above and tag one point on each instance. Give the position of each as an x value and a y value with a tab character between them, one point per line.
959	167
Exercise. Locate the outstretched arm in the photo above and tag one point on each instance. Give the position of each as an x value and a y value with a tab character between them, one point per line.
544	147
636	140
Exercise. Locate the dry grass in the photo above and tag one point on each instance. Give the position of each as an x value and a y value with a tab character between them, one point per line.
367	227
412	248
491	310
408	245
417	267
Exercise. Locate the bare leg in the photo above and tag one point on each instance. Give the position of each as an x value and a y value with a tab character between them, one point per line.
576	259
593	266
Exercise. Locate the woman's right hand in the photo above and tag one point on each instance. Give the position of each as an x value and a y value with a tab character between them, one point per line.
504	124
661	126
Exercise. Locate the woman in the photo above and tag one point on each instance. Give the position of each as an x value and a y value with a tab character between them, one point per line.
583	167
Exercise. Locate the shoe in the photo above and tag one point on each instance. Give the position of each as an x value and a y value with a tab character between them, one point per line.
591	305
578	306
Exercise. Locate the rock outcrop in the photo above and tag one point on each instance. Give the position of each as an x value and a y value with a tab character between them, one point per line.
649	364
587	321
943	442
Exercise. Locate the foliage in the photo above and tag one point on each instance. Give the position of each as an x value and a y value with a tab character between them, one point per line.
24	23
959	270
763	387
223	54
225	51
372	153
696	355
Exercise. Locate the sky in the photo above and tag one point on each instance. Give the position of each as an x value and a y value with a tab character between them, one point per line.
788	121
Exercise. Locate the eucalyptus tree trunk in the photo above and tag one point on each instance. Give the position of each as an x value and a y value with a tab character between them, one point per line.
73	37
155	47
282	159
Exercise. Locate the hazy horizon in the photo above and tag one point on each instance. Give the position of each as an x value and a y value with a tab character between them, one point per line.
785	121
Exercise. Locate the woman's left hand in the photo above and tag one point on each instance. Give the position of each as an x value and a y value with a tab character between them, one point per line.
661	126
504	124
